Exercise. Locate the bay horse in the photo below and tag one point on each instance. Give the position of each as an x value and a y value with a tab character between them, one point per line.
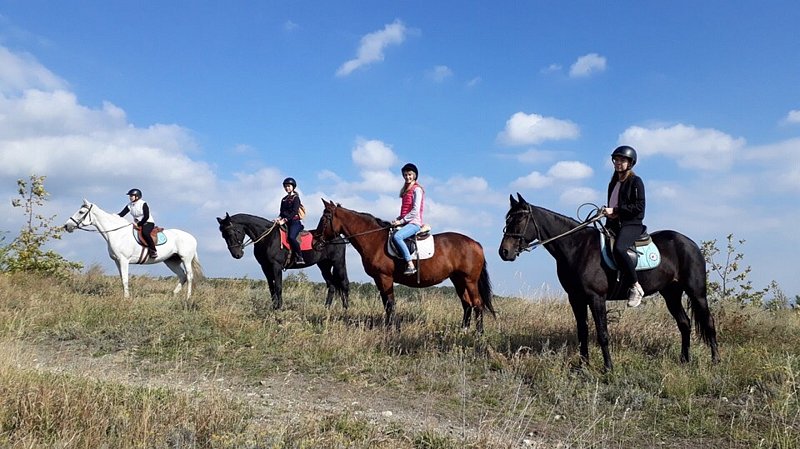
265	237
179	252
587	280
456	257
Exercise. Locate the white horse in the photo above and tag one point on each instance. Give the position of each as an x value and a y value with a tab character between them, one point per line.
179	252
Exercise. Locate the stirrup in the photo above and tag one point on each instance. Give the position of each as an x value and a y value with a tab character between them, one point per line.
410	270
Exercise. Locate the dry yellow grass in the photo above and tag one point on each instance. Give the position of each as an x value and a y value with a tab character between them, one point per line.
81	367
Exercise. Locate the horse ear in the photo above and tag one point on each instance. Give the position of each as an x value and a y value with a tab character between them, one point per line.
219	220
85	202
513	201
227	216
520	198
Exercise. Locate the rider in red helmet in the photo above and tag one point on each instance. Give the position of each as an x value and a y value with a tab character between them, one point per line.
142	218
625	215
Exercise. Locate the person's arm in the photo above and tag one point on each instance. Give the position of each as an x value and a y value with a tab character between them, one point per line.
634	202
145	213
124	212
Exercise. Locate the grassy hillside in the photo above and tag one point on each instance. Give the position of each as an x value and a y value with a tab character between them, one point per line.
81	367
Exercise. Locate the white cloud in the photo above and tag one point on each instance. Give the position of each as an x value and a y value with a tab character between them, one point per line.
440	73
587	65
534	180
694	148
792	117
534	156
373	154
19	72
570	170
290	26
373	45
531	129
474	81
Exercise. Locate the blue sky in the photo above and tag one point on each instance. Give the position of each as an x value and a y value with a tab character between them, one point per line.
207	106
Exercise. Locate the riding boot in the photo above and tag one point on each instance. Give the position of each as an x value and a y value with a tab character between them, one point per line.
635	296
298	260
152	253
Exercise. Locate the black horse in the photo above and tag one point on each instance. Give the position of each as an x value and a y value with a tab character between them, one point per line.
586	279
272	257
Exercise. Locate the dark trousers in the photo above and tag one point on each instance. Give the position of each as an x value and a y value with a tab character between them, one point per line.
293	230
626	236
147	228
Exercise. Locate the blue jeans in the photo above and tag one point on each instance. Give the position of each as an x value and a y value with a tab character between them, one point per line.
294	228
405	232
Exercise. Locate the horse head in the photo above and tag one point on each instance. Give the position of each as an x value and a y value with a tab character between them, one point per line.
233	235
520	229
326	229
81	218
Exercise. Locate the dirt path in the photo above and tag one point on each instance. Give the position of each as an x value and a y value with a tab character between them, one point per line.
274	400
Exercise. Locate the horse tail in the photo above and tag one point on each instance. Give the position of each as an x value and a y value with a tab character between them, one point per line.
485	289
197	269
703	320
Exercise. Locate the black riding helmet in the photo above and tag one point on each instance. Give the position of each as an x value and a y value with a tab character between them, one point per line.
136	192
290	181
625	151
410	167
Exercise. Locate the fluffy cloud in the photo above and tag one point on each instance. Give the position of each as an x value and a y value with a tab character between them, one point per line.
693	148
792	117
587	65
373	45
21	71
531	129
570	170
534	180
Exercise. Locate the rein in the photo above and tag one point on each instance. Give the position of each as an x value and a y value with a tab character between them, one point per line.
534	244
345	239
260	238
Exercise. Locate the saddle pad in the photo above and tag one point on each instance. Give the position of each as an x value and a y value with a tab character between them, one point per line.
162	239
306	239
425	248
649	256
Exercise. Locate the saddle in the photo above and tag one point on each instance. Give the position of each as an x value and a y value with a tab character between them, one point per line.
420	245
157	235
304	237
643	246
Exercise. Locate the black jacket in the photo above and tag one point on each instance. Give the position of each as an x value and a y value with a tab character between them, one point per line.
630	208
290	207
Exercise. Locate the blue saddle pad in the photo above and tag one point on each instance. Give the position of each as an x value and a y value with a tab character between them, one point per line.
649	256
162	239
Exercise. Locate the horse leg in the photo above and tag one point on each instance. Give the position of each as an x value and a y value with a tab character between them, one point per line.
598	307
275	282
672	295
174	264
342	283
325	270
461	290
122	267
386	287
582	326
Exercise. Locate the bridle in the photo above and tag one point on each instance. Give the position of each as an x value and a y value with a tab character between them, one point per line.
537	241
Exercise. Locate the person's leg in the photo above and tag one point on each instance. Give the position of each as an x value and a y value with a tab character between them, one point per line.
401	234
147	229
294	230
625	239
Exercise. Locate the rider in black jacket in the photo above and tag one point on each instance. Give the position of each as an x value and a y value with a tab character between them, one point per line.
625	214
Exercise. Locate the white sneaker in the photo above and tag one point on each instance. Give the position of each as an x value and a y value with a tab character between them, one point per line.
635	296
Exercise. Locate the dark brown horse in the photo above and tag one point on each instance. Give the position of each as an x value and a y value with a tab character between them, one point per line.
587	280
456	257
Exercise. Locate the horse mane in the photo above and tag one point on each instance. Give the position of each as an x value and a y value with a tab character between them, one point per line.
381	223
250	217
113	216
